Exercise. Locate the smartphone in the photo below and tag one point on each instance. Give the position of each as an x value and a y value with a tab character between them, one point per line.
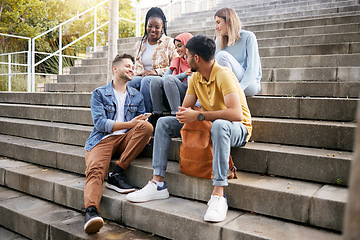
145	116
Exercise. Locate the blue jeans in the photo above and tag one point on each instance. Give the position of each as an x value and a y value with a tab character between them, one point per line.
174	91
143	84
224	135
227	60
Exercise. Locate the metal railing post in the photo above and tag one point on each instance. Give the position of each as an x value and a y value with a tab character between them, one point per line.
182	6
33	66
113	35
9	72
196	5
60	49
207	4
29	66
95	25
137	26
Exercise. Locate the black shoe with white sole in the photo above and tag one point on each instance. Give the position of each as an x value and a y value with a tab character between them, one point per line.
93	222
116	181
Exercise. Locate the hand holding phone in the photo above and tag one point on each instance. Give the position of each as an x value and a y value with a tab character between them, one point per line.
145	116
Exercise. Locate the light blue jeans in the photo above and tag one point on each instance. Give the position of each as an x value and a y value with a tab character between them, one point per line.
224	135
227	60
174	91
143	84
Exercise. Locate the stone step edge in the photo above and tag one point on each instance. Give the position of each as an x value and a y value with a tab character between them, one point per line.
323	56
61	156
348	124
285	107
284	21
76	134
63	189
289	18
57	99
68	224
261	5
10	235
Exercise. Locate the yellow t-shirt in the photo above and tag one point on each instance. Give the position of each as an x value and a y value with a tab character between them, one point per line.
211	93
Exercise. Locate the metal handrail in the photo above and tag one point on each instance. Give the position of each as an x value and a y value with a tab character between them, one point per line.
12	53
61	48
9	63
71	19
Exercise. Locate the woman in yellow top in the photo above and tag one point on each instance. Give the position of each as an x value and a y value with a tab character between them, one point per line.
153	54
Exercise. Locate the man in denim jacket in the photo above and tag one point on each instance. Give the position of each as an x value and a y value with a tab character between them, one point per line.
121	130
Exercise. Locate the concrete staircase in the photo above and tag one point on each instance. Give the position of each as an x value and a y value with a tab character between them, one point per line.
307	48
292	181
293	175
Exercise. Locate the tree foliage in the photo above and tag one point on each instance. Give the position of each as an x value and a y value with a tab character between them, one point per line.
29	18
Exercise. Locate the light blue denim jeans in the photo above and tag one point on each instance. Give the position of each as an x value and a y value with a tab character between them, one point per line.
224	135
227	60
173	89
143	84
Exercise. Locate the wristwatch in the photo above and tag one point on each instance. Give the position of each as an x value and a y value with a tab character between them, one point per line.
201	117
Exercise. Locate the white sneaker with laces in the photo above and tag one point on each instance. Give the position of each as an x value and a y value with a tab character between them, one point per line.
217	209
150	192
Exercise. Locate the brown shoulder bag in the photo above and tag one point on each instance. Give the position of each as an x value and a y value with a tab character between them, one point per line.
196	152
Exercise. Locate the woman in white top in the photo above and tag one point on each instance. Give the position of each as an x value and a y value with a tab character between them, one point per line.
153	53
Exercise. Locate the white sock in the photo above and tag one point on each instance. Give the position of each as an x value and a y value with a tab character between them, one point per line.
159	184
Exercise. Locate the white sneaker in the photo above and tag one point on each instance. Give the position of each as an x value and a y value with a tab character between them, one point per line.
217	209
150	192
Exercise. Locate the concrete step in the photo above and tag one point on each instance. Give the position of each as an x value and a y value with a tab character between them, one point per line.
6	234
92	62
280	25
309	30
208	20
46	98
311	74
309	39
334	67
321	43
310	164
315	89
89	69
309	133
266	7
73	87
298	88
39	219
259	228
306	133
269	8
48	131
261	106
342	109
91	77
74	115
319	202
311	49
286	48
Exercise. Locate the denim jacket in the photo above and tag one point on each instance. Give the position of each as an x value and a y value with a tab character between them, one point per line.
103	111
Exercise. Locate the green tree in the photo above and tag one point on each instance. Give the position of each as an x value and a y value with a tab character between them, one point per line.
30	18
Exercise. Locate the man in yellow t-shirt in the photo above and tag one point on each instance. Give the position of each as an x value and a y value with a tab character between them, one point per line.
223	102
